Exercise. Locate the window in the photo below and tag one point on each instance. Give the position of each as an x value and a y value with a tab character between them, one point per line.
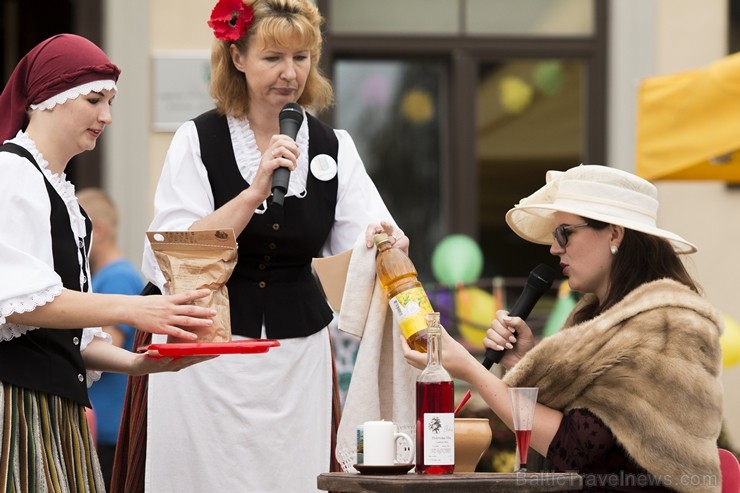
394	109
456	125
734	28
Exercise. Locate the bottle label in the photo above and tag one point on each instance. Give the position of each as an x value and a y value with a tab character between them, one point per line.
360	444
410	309
439	439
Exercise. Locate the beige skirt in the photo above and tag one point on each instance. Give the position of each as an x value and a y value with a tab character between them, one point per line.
45	444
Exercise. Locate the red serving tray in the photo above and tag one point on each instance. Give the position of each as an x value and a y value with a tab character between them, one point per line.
212	348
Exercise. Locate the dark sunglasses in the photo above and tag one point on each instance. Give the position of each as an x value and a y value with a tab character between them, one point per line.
561	233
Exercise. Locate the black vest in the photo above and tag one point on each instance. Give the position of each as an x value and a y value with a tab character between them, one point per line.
46	359
273	280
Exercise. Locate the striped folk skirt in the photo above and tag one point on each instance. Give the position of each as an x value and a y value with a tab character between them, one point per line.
45	444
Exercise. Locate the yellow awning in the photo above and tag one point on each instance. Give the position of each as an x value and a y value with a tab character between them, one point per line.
688	124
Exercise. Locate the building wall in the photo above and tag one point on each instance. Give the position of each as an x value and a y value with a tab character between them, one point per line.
660	37
135	30
176	25
127	172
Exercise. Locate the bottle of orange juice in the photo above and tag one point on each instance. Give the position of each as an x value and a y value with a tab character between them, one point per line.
406	296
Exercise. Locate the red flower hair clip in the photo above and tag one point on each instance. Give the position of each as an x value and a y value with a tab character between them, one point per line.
230	19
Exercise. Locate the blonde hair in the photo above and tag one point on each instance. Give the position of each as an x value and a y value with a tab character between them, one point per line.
101	209
277	22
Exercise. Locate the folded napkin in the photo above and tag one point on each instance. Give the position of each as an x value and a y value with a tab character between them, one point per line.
383	384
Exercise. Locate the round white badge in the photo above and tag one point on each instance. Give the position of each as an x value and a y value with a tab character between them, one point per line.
323	167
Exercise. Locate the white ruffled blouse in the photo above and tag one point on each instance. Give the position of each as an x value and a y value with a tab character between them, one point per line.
184	193
28	278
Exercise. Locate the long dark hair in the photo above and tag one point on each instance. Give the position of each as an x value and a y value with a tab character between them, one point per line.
641	258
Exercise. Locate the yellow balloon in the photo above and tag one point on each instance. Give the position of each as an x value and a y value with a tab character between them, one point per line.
474	310
516	94
730	342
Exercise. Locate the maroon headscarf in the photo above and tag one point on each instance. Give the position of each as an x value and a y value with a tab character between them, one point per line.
55	65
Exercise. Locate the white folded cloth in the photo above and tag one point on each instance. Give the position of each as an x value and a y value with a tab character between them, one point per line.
383	384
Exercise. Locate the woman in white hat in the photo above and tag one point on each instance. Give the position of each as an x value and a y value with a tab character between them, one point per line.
629	391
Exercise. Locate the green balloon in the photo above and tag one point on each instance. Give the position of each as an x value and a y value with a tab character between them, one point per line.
457	259
559	314
549	77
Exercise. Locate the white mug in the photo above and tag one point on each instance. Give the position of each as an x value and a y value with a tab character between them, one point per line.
381	444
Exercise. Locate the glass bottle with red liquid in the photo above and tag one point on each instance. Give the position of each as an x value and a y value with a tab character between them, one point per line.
435	417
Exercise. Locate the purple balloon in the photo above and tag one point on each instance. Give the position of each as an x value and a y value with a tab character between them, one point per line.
443	301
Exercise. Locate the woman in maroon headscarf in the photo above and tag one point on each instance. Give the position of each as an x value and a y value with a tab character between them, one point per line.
55	106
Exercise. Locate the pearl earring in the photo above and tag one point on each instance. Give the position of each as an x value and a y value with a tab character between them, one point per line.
614	249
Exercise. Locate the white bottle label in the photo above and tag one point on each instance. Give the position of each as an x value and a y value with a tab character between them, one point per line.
439	439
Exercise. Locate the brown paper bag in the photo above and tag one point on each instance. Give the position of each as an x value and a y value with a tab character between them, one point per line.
332	274
194	260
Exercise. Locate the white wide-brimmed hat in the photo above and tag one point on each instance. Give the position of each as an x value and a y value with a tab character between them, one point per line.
595	192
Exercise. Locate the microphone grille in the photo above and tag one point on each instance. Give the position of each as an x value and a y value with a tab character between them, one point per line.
292	111
543	276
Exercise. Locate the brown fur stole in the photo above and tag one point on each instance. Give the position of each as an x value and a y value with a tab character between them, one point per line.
649	367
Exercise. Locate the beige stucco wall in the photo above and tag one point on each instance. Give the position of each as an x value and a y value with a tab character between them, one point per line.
660	37
647	37
127	139
706	212
134	31
691	36
175	25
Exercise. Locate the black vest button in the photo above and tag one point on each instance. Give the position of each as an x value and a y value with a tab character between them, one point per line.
276	226
272	246
76	341
262	266
262	284
80	377
266	258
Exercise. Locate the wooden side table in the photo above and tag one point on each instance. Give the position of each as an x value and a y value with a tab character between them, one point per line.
450	483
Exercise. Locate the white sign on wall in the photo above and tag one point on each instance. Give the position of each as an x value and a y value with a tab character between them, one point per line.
181	82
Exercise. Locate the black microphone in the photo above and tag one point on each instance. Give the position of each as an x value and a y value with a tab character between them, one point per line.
538	283
291	117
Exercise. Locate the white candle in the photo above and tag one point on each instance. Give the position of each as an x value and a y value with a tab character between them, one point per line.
380	443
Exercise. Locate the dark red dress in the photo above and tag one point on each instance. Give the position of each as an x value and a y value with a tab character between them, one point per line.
584	444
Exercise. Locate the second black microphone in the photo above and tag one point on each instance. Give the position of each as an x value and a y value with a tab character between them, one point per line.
538	283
